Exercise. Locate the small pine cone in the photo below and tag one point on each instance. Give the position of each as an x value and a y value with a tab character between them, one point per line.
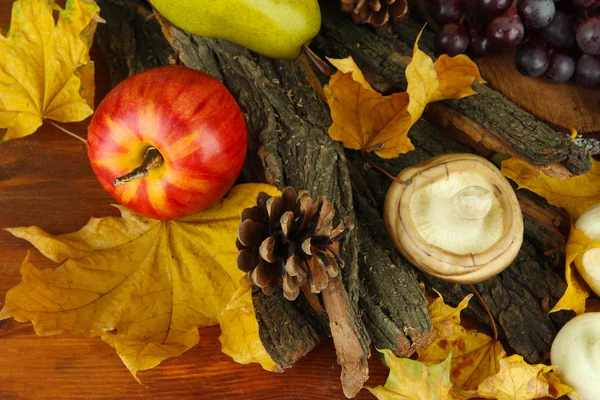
376	12
289	241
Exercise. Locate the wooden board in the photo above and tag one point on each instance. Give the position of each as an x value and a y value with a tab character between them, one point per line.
46	180
561	105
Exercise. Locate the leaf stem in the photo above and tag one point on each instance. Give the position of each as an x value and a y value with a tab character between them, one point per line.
68	132
383	171
487	309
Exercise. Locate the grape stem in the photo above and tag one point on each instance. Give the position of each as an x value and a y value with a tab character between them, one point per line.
68	132
152	159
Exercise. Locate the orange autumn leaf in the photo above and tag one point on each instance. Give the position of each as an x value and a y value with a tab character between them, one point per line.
45	68
364	119
475	355
518	380
145	286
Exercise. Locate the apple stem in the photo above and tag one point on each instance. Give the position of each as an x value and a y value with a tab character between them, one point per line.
152	159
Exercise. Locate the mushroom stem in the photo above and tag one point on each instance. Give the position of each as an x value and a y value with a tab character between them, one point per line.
472	203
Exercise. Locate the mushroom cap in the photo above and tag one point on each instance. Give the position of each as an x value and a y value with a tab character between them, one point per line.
456	218
588	264
576	353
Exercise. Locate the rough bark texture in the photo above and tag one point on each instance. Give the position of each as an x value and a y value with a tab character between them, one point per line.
287	123
488	117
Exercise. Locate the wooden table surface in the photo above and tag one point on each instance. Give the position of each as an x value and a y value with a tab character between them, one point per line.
46	180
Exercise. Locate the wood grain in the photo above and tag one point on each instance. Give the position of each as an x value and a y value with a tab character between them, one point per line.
561	105
46	180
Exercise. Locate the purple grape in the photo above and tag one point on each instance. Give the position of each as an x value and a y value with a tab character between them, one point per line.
506	30
587	72
585	4
445	11
532	58
560	32
478	44
536	14
588	36
451	39
482	11
493	7
561	68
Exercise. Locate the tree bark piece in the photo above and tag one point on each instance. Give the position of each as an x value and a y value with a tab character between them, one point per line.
487	117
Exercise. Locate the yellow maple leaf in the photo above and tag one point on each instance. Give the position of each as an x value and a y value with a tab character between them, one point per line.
575	194
364	119
145	286
45	70
413	380
577	290
518	380
475	356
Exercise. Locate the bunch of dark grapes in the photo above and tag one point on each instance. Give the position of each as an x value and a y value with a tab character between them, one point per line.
556	39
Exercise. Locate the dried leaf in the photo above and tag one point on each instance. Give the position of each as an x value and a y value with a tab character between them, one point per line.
518	380
45	69
575	194
413	380
364	119
475	356
577	290
145	286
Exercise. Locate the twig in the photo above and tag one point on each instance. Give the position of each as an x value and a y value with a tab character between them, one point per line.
487	309
67	131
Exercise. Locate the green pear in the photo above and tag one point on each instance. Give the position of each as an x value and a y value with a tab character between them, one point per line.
274	28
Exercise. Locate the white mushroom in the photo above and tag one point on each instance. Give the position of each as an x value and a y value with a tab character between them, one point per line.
576	353
456	218
588	265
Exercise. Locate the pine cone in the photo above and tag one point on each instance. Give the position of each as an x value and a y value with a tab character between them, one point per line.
376	12
289	242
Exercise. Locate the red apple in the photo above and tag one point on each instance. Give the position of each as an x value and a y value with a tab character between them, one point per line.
194	124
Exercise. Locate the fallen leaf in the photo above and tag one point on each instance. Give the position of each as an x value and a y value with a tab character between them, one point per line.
575	194
145	286
577	290
45	69
413	380
518	380
364	119
475	356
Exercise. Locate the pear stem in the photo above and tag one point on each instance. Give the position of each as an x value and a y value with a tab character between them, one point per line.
321	65
152	159
68	132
